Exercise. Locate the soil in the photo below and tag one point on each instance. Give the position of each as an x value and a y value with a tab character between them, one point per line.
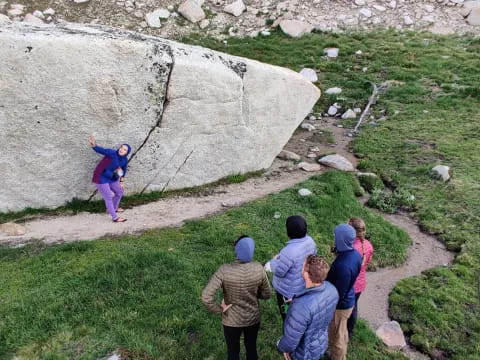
424	253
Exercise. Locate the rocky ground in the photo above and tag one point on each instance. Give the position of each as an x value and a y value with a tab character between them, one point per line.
220	18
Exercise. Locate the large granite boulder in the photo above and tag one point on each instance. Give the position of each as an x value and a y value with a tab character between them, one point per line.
192	115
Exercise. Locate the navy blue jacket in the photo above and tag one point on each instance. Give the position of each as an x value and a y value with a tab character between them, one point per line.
342	275
305	334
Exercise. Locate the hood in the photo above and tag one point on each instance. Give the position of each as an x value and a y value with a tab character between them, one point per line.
128	147
244	249
344	237
296	227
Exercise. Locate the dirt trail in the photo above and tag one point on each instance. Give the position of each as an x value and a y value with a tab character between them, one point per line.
424	253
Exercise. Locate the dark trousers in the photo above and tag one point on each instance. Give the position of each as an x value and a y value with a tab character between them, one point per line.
282	306
232	338
353	318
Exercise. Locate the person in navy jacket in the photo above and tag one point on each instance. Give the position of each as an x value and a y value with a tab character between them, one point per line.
109	175
305	333
343	273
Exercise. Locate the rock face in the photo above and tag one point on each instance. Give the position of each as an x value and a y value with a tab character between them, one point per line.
191	115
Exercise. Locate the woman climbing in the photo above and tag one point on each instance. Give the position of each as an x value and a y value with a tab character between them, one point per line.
109	175
365	248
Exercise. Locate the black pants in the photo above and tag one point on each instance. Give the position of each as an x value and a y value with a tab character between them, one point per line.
353	317
232	338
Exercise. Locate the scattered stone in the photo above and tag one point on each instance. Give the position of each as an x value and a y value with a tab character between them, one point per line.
191	11
153	18
331	52
407	20
277	215
236	8
49	11
311	155
391	334
357	110
304	192
359	174
80	1
349	114
309	167
332	110
333	91
265	33
380	8
358	52
366	12
14	12
295	28
4	19
29	18
170	8
337	162
115	356
316	148
288	155
38	14
308	127
12	229
429	8
204	23
441	172
360	2
392	4
312	118
309	74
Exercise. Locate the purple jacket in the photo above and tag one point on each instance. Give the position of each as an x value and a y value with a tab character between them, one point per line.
287	269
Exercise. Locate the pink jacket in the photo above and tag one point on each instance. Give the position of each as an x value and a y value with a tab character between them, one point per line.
366	251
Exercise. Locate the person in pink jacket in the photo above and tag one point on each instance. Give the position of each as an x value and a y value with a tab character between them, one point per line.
365	248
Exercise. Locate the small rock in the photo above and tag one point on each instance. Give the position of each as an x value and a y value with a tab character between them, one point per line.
315	149
331	52
204	23
277	215
12	229
116	356
304	192
14	12
49	11
309	167
312	118
392	335
191	11
429	8
311	155
349	114
442	172
153	18
359	174
332	110
307	126
18	6
80	1
366	12
407	20
333	91
358	52
265	33
392	4
29	18
357	110
170	8
360	2
295	28
380	8
236	8
309	74
4	19
38	14
288	155
337	162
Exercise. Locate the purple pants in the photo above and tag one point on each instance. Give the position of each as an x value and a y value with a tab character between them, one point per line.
111	193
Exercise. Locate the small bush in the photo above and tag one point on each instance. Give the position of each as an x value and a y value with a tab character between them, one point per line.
370	183
389	202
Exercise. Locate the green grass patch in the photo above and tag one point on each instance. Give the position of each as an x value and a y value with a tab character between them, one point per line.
432	118
141	294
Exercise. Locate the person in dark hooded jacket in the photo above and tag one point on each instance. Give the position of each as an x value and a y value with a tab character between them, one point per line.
243	282
343	273
109	176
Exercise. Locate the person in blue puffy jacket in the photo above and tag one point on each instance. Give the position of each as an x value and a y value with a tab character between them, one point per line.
305	333
287	265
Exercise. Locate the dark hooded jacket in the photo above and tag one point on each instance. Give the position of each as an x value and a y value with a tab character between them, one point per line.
346	266
105	170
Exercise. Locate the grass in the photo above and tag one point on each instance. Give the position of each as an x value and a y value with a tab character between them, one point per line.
98	206
140	295
432	118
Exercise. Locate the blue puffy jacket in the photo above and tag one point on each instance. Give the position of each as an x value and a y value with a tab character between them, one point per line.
305	333
287	269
